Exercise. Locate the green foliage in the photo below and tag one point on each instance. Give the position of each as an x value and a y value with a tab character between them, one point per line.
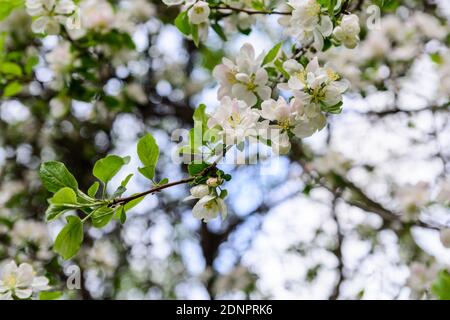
50	295
10	68
148	153
63	196
68	241
102	216
194	168
54	175
12	89
105	169
7	6
182	23
441	287
272	54
92	191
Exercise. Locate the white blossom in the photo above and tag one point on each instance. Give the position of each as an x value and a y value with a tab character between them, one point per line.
421	276
316	87
444	193
306	23
20	281
348	31
199	12
243	79
236	120
52	13
172	2
412	197
332	161
209	207
198	192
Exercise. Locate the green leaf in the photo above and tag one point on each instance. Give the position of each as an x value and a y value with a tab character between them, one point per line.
64	196
148	172
54	211
10	68
441	287
272	54
68	241
102	216
163	181
133	203
195	36
92	191
182	23
122	215
218	29
7	6
50	295
54	176
31	62
196	168
148	153
201	116
105	169
12	89
279	65
126	180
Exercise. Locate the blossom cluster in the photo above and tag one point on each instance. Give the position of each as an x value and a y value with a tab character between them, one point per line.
86	15
20	282
306	21
247	108
51	14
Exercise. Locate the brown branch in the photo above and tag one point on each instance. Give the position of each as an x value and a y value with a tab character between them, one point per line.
247	11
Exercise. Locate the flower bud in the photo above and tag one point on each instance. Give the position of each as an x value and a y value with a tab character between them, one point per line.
213	182
200	191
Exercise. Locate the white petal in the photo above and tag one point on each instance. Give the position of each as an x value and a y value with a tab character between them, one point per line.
38	25
23	293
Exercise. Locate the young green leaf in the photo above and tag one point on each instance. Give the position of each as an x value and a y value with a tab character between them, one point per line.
12	89
441	287
63	196
148	172
148	153
92	191
219	30
69	239
196	168
102	216
126	180
122	215
182	23
54	175
272	54
195	35
10	68
105	169
133	203
54	211
50	295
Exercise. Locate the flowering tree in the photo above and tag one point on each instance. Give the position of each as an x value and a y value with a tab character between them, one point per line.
93	161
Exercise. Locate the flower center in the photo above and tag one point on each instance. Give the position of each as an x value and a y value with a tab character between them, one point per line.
284	124
313	9
198	10
234	119
300	75
11	281
333	76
